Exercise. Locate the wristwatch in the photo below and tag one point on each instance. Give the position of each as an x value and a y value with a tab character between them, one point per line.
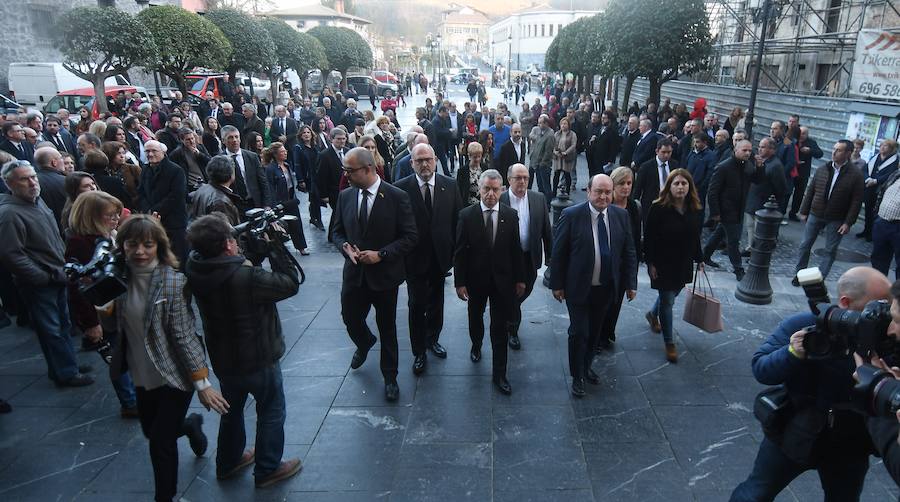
382	254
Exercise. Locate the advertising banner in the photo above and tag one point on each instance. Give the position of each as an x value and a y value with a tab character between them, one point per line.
876	69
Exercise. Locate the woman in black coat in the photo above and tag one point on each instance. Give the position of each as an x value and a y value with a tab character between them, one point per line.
671	247
623	180
306	158
282	182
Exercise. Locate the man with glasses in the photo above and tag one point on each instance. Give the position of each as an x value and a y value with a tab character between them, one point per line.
373	227
832	202
534	236
33	251
435	203
14	142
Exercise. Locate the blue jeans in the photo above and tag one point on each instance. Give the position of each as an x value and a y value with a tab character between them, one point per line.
267	388
663	310
48	310
832	240
543	182
842	476
886	246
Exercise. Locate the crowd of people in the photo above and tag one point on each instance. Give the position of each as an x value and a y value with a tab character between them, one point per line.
165	185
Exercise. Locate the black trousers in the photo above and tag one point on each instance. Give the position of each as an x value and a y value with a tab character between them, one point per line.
426	309
501	304
870	199
356	302
180	247
515	318
608	331
162	411
799	187
585	322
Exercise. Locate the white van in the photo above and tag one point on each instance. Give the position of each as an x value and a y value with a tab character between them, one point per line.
34	84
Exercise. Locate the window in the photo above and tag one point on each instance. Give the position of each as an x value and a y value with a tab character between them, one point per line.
543	32
726	75
551	30
558	27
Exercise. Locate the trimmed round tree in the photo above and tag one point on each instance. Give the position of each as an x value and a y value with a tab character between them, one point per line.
252	47
344	49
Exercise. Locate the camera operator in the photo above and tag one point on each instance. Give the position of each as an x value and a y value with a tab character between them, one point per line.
217	195
237	303
822	432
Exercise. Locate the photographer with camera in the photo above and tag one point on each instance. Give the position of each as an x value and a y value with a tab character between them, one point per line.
820	430
237	303
95	215
217	195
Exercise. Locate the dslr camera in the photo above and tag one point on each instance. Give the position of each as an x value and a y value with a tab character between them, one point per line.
839	332
261	232
102	279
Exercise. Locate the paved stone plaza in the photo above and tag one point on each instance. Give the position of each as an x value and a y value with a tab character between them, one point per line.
651	431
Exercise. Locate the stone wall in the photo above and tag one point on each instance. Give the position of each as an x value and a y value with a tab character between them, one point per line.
27	34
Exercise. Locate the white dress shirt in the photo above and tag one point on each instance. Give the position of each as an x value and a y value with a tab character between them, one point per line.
663	174
373	190
837	172
595	275
520	204
496	209
518	148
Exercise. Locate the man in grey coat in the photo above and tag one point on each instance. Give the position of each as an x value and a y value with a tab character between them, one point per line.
543	143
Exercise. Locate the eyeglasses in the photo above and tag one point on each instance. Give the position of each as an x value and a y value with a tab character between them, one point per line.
349	170
423	160
519	178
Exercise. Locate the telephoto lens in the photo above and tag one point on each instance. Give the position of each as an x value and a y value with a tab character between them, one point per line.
878	392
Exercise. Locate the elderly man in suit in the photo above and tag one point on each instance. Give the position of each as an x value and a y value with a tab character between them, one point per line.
652	175
488	266
375	229
436	203
534	236
284	129
591	240
249	176
643	151
512	152
162	190
252	123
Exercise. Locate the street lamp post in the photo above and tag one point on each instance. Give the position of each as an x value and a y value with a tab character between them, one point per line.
440	84
508	57
748	122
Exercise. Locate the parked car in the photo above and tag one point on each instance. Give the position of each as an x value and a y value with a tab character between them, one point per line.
360	84
73	100
37	83
314	81
385	76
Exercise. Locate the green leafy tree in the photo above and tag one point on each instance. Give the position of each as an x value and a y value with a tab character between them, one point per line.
288	50
344	49
313	58
185	41
252	47
95	52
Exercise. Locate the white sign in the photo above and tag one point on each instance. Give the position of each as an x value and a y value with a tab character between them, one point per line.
876	69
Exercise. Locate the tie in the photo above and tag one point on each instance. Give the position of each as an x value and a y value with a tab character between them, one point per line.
364	212
60	145
603	245
663	174
428	201
240	186
489	226
283	127
22	149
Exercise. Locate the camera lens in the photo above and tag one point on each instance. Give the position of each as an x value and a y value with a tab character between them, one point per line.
841	320
886	400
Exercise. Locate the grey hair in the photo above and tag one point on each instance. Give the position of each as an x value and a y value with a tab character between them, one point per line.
11	166
226	130
646	123
490	174
854	285
220	169
32	116
249	106
337	131
145	107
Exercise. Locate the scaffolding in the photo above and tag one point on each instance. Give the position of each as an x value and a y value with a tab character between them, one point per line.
800	33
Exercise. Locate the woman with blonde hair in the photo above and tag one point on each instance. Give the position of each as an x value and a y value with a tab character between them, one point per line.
94	216
98	127
671	247
282	183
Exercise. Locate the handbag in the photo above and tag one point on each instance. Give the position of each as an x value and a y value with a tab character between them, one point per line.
702	309
772	407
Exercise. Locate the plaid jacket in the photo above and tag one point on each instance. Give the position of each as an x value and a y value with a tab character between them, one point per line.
170	338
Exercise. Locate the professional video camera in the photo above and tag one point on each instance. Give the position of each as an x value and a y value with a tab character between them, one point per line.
261	230
102	279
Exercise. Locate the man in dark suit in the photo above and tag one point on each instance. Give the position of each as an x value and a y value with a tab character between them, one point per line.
284	129
162	190
443	135
228	117
331	161
375	230
651	176
192	157
205	108
534	235
685	144
61	139
249	175
488	266
14	142
435	204
252	123
591	240
603	144
630	137
643	151
512	152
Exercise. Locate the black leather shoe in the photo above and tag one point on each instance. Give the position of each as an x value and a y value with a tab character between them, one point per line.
438	350
193	429
514	342
709	263
795	282
475	354
593	378
419	364
739	274
79	380
503	385
391	391
359	357
578	387
745	253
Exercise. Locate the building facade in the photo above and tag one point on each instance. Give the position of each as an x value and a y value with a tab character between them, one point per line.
521	39
463	29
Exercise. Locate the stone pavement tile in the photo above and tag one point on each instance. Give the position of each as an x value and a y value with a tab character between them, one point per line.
23	428
302	423
130	471
679	384
317	356
443	472
535	386
539	466
740	393
54	472
365	386
10	385
340	496
97	421
44	393
22	360
205	486
439	390
350	466
612	364
449	423
582	495
617	411
547	425
310	391
635	472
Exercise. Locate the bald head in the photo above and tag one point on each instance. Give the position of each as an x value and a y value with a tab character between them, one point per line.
48	158
861	285
420	139
361	155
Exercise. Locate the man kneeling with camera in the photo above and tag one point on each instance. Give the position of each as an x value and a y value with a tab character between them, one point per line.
813	422
243	335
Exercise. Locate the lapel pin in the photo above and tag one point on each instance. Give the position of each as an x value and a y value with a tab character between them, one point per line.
381	194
